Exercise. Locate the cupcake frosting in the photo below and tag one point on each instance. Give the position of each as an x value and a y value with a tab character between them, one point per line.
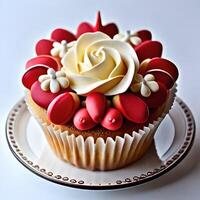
96	63
99	77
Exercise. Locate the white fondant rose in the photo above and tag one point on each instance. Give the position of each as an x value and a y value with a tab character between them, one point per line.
98	63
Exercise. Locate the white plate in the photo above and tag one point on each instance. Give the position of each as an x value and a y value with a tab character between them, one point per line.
173	141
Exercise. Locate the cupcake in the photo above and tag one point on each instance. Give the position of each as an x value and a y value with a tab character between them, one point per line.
99	95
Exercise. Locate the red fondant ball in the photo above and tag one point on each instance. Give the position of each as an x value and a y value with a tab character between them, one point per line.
82	120
96	104
112	120
61	109
132	107
43	98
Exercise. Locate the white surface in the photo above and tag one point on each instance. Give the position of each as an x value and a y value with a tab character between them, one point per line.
175	23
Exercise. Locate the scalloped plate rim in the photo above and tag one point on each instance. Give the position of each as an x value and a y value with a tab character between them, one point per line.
108	187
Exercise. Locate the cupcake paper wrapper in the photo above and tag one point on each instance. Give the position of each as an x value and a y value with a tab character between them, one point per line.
102	154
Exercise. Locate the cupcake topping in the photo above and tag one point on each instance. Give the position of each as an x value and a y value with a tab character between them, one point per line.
100	65
145	85
53	81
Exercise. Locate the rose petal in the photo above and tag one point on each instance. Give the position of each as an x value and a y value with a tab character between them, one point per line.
62	34
111	86
107	60
86	40
83	85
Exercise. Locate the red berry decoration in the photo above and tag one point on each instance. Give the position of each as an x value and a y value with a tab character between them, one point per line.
109	29
43	98
32	74
132	107
148	49
82	120
96	104
43	60
112	120
156	99
61	109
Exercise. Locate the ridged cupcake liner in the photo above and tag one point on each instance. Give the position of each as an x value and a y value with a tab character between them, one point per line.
102	154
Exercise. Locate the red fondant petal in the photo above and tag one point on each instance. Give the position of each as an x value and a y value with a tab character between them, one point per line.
98	24
144	35
43	98
110	29
96	104
61	109
62	34
163	78
156	99
84	27
45	60
165	65
164	71
32	74
132	107
148	49
43	47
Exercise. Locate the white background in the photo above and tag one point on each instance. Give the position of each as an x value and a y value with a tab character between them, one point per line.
175	23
